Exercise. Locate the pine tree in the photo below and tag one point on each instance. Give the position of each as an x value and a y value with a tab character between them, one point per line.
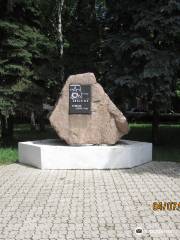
25	59
81	33
141	52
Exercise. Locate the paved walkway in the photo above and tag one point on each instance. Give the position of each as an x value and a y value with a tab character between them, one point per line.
77	204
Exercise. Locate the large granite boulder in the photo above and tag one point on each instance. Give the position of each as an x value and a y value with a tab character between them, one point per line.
104	125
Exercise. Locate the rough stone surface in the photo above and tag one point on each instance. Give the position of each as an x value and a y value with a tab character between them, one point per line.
90	204
105	125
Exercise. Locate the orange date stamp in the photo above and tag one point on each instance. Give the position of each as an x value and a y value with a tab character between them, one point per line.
166	206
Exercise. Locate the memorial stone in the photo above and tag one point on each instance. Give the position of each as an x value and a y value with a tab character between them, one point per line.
84	114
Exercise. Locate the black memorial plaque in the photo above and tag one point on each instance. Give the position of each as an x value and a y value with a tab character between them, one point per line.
79	99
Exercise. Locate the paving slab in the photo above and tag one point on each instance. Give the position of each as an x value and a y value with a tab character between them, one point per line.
89	204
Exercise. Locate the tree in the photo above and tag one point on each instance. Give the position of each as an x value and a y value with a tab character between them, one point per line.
26	62
141	52
59	37
81	31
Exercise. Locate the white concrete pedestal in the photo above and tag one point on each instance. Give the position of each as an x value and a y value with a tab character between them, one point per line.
52	154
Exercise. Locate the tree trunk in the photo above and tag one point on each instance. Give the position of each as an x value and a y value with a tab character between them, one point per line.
42	123
33	121
42	127
155	127
7	127
10	4
60	37
3	127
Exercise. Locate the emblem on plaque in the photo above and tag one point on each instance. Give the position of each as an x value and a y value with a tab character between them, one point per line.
79	99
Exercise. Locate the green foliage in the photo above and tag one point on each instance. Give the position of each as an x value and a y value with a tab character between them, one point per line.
132	46
27	60
141	50
82	36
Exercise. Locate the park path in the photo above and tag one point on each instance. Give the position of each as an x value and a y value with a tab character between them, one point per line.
89	204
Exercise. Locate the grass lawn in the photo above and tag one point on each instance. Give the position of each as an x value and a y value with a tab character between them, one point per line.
22	132
167	150
8	155
169	140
